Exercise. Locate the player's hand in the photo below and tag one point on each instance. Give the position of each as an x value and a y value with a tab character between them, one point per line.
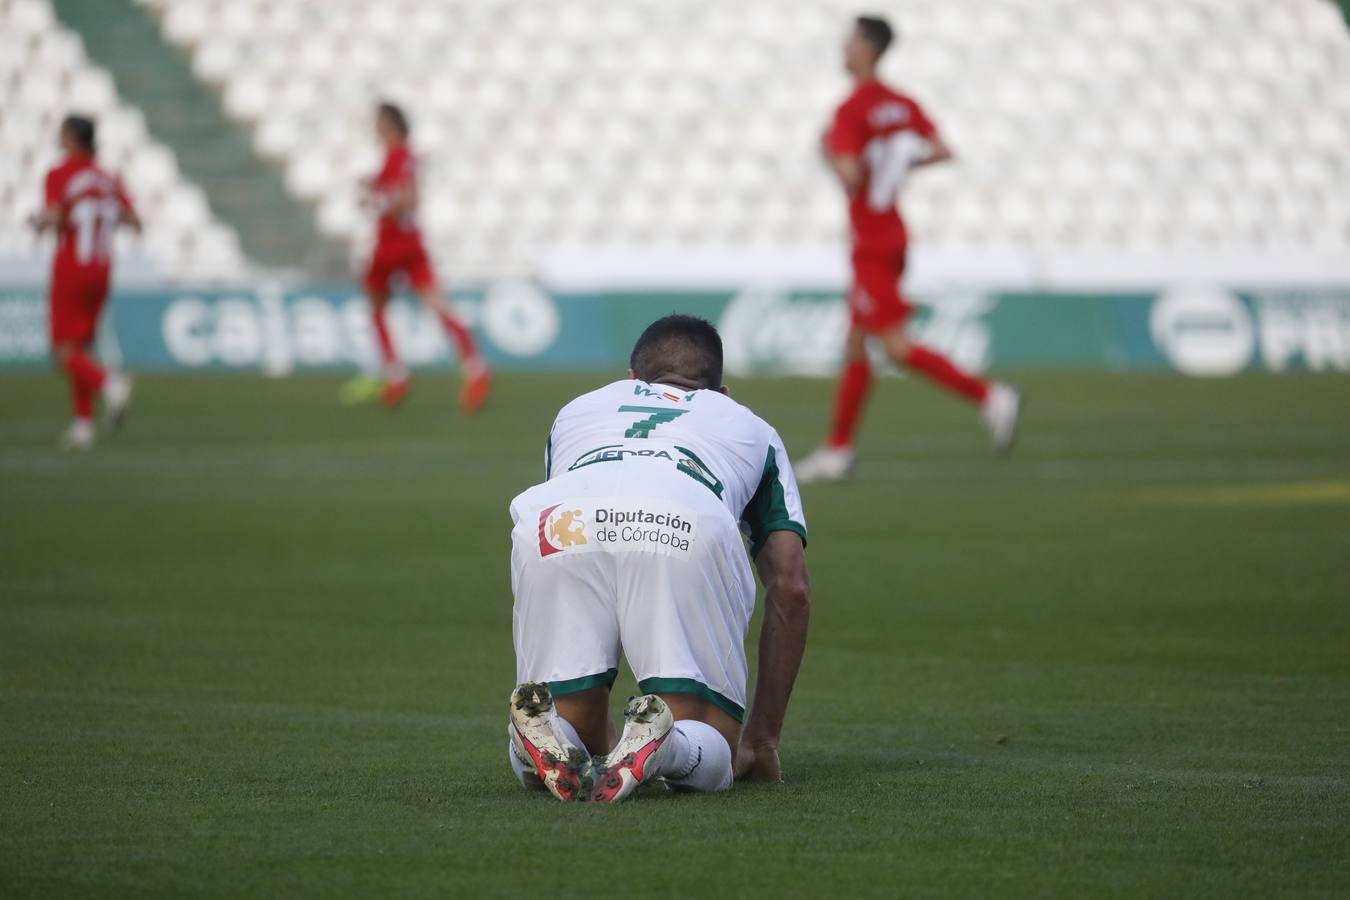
758	763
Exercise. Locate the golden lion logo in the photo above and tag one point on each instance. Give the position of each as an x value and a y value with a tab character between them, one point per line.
568	530
557	534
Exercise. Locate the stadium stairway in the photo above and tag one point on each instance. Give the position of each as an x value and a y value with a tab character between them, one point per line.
243	191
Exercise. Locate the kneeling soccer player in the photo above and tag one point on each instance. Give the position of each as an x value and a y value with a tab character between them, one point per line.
634	544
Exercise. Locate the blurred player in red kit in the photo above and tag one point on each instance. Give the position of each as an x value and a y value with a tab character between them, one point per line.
877	137
392	193
83	204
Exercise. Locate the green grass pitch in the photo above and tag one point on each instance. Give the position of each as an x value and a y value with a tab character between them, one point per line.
259	645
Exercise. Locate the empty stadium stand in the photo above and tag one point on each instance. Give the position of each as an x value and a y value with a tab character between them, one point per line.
1147	126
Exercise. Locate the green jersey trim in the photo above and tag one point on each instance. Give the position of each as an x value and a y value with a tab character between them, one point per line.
690	686
584	683
767	510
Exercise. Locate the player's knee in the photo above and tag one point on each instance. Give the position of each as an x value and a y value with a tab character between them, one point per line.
898	346
430	294
855	346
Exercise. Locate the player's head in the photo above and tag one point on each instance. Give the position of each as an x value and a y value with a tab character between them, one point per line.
685	351
870	38
77	135
391	123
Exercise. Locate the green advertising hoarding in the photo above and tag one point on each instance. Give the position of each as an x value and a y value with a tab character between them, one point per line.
1196	329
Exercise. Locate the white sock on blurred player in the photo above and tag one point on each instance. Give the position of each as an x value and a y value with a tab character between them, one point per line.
524	769
1002	407
701	758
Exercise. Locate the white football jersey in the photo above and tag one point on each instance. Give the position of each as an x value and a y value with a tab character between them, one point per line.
707	436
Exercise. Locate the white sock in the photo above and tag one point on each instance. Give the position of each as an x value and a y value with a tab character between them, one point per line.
570	733
524	768
702	758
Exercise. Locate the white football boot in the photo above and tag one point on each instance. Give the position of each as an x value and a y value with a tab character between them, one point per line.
1001	409
642	751
564	768
116	400
79	436
825	464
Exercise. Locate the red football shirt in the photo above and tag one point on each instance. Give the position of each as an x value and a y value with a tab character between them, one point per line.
888	132
399	170
92	202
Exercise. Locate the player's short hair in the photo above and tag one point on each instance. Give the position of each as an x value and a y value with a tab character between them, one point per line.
395	114
876	31
686	346
79	129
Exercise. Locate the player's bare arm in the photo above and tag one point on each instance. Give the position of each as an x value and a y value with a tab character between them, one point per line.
782	642
131	218
938	152
849	169
401	199
46	219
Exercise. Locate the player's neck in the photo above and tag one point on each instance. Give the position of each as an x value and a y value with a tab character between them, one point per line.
862	70
677	381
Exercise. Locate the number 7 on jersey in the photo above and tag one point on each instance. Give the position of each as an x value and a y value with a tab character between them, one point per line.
659	416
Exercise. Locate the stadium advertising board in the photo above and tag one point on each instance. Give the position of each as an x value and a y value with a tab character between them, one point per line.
1196	329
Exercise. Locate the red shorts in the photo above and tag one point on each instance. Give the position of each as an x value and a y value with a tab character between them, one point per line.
404	255
76	300
874	301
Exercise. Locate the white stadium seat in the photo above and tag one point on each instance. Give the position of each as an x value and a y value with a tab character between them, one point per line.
277	135
30	17
91	89
186	21
309	175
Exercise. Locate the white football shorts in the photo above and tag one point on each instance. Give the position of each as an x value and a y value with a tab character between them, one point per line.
633	557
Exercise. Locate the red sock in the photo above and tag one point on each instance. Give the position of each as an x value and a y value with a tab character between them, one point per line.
945	373
85	380
386	343
854	383
463	341
82	399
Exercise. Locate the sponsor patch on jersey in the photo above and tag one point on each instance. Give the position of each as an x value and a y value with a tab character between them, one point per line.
618	453
617	525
